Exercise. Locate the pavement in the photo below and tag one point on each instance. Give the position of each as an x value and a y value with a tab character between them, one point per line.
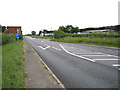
79	65
37	75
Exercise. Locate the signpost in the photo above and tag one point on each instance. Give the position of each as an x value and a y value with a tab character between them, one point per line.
17	35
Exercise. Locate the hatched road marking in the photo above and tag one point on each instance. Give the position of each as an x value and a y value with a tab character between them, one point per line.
75	54
91	56
106	59
116	65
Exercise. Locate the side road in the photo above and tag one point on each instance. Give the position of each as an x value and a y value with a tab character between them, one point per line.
37	75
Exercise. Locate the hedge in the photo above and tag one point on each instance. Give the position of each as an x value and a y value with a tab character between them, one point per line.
6	38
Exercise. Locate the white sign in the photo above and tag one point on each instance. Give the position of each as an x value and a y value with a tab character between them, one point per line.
17	30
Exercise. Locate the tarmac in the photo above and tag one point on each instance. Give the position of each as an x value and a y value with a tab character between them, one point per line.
37	75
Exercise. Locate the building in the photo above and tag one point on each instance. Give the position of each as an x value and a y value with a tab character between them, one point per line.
14	29
104	31
49	34
42	34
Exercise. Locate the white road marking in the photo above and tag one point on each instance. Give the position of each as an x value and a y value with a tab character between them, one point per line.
41	41
56	48
95	55
116	65
74	47
44	48
75	54
106	59
119	69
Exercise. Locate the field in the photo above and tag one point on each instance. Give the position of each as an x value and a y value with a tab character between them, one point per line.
13	65
104	41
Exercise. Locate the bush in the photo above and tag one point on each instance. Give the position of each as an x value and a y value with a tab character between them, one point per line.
6	38
59	34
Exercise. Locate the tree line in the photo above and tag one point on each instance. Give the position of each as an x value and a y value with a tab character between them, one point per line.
72	29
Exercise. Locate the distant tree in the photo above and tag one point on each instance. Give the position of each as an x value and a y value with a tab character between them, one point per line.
3	29
40	32
0	28
33	32
69	29
44	31
59	34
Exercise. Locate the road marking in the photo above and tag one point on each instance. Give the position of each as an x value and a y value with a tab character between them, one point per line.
74	47
95	55
44	48
106	59
75	54
56	48
41	41
116	65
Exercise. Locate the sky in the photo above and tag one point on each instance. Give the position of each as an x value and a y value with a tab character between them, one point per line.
50	14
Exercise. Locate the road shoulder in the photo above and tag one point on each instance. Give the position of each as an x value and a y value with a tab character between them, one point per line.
37	75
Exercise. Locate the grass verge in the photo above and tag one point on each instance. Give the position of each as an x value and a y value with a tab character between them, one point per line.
45	37
111	42
13	74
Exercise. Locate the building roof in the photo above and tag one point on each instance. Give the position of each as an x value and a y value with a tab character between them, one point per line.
13	26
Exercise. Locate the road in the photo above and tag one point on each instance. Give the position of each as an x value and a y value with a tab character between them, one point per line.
79	65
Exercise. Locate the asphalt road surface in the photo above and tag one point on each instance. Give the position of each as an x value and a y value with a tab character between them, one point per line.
79	65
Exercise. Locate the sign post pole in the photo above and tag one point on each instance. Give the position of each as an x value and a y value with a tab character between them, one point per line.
17	35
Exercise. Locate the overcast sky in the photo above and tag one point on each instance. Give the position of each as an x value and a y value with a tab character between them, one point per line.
44	14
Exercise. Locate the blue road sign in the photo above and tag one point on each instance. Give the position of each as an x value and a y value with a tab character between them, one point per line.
17	35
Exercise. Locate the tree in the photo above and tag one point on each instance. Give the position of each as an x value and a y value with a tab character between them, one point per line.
40	32
3	29
0	28
33	32
69	29
59	34
44	31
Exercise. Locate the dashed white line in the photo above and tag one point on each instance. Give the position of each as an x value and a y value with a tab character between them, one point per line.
106	59
76	55
116	65
95	55
56	48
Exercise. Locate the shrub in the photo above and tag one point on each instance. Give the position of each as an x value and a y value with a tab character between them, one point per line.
9	37
59	34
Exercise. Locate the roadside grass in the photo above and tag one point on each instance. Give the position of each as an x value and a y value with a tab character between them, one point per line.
44	37
105	41
13	75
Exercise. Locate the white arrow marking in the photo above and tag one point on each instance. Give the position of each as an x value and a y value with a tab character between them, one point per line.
44	48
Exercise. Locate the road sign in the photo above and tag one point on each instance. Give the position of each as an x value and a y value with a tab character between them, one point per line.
17	30
17	35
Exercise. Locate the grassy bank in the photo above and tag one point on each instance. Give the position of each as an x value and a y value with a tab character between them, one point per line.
112	42
13	65
45	37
